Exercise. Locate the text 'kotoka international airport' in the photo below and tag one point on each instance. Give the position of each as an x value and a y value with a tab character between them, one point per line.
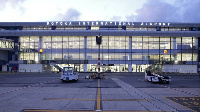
125	46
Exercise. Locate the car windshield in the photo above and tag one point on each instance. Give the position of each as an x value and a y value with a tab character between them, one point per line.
68	69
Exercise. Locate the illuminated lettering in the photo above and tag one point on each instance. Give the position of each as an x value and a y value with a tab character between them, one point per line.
92	23
70	23
124	23
163	24
106	23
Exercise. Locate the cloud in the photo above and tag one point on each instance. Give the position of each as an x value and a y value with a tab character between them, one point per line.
11	3
160	11
191	11
116	18
70	15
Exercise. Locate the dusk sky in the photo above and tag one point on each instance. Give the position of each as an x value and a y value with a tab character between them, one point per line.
100	10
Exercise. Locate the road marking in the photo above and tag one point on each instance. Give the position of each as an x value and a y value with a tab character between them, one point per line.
97	99
35	110
191	103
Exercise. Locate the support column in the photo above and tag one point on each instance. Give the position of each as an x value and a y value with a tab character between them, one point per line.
130	54
85	47
129	67
40	47
85	54
85	67
174	43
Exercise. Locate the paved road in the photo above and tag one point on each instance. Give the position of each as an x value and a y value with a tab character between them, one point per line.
46	93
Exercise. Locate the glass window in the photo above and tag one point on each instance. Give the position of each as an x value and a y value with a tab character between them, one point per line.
47	49
112	42
105	42
81	42
120	42
186	56
56	56
74	42
195	56
136	56
154	56
178	42
164	42
164	55
145	42
153	42
57	42
186	42
195	43
24	43
137	42
65	42
91	42
92	56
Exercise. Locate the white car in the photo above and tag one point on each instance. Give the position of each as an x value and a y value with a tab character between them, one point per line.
68	74
152	77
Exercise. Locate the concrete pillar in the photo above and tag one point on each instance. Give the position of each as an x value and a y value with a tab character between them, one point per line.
130	54
85	47
85	67
40	47
130	48
129	67
85	53
195	42
174	43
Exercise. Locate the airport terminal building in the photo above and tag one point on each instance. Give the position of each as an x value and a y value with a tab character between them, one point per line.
125	47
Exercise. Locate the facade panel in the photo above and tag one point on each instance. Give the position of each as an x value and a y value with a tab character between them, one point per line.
126	46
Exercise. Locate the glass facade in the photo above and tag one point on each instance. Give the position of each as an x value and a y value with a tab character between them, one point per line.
117	53
4	43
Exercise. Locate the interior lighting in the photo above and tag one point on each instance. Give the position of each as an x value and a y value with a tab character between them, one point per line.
41	51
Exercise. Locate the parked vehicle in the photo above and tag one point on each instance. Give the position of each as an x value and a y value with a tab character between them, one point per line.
68	74
152	77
